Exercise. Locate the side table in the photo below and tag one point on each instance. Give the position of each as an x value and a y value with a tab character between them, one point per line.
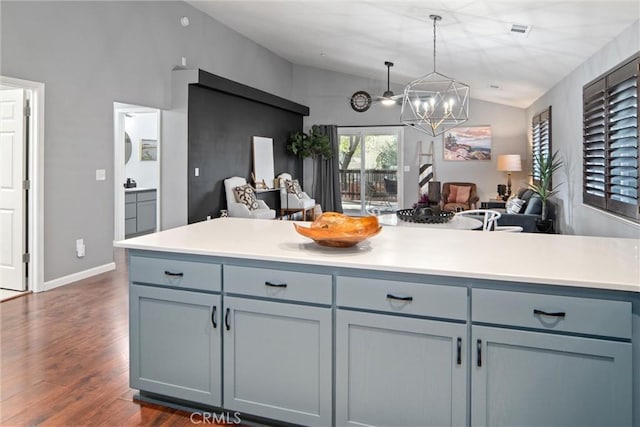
493	204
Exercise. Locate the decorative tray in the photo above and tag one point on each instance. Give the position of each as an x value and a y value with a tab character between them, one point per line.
338	230
424	216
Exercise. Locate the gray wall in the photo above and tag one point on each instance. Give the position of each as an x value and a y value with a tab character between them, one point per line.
566	101
90	54
327	94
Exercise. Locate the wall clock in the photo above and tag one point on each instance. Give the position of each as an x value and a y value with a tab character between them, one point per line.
360	101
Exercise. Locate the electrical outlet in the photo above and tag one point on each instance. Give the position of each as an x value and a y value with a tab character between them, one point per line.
80	248
407	168
101	175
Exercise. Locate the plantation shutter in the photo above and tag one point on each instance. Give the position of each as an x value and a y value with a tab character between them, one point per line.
541	138
610	141
594	158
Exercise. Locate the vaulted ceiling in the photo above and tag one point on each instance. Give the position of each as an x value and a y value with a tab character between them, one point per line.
474	41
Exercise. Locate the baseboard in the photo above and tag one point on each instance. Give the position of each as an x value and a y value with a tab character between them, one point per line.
65	280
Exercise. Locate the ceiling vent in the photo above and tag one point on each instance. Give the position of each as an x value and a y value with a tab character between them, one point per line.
520	30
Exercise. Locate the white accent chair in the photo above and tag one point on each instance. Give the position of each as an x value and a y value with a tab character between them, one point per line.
290	203
488	217
237	209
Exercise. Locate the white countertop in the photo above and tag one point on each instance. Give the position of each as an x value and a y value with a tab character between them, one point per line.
134	189
578	261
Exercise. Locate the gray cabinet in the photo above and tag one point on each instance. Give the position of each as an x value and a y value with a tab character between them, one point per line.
278	347
546	375
140	213
395	370
175	345
399	371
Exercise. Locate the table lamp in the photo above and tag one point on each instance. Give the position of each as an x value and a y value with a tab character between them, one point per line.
509	163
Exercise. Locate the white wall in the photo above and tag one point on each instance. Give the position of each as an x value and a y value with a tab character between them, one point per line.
565	99
142	126
327	94
91	54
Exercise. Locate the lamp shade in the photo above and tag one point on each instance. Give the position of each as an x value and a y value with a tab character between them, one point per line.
509	163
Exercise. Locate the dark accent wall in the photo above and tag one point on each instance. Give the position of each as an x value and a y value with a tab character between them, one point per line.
222	121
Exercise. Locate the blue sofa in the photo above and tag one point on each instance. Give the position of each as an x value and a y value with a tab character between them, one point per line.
529	213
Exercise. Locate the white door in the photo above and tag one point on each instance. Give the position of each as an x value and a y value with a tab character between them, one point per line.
12	195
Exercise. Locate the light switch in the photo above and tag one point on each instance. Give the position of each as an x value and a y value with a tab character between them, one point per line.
196	171
101	174
407	168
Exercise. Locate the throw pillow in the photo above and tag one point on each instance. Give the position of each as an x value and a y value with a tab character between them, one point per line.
293	187
459	194
534	207
246	196
514	205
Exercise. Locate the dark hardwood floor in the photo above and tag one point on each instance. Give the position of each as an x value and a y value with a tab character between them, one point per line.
65	358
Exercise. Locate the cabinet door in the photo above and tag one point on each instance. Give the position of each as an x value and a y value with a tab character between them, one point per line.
175	343
277	360
399	371
146	216
522	378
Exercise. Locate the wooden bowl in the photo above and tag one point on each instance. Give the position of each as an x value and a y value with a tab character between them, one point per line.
340	231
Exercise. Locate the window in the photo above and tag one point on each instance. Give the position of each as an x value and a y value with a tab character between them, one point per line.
610	141
541	138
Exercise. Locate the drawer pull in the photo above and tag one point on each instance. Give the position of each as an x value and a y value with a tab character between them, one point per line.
459	347
537	312
396	297
213	317
227	320
479	361
275	285
169	273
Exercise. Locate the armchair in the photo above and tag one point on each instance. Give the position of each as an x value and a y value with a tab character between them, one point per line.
242	210
293	199
459	195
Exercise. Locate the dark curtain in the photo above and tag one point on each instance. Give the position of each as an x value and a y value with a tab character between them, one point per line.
327	191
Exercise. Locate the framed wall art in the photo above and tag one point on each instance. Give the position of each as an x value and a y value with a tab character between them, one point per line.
468	143
148	150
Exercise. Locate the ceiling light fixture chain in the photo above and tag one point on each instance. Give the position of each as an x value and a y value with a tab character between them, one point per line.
435	103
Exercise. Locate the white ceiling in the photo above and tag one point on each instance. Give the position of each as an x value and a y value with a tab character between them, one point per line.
474	44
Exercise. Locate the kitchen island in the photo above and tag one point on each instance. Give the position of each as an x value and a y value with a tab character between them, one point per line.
412	327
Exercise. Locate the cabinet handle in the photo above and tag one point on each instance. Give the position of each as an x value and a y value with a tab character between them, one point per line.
459	347
479	362
227	320
213	317
396	297
275	285
169	273
545	313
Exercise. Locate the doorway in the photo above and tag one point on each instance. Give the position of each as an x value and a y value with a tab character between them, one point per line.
137	157
21	183
370	161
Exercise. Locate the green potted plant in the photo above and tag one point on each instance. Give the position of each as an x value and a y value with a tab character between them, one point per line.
314	144
544	166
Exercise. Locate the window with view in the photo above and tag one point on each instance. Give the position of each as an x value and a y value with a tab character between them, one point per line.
610	140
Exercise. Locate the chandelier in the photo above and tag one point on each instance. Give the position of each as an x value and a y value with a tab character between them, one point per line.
435	103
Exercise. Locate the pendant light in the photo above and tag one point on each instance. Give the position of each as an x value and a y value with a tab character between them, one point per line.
435	103
387	96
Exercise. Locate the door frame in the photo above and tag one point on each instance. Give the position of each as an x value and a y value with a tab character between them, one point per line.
380	130
119	111
35	195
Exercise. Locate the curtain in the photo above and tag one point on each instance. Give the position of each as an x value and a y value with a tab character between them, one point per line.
327	191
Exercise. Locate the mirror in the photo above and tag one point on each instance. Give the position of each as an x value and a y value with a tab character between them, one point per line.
263	161
127	148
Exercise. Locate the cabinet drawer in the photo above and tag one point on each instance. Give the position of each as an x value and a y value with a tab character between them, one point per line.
177	273
144	196
402	297
280	284
129	210
564	314
129	197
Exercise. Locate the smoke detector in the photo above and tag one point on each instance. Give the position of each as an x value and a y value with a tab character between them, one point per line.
519	30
